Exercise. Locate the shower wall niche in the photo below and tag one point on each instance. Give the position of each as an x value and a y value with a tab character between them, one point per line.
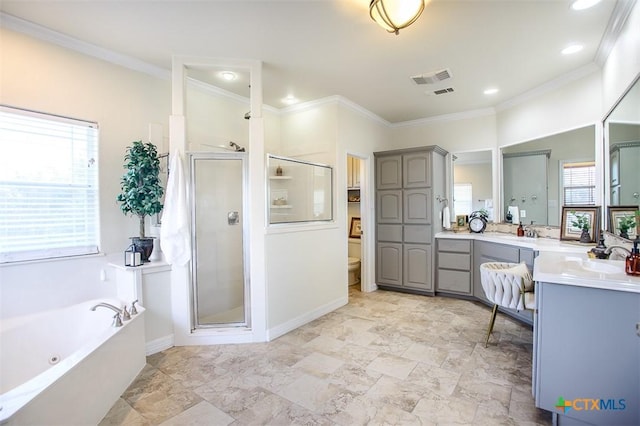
298	191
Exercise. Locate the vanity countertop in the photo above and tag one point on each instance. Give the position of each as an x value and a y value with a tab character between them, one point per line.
580	271
537	244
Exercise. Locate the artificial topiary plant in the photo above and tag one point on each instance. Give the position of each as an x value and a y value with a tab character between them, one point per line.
140	185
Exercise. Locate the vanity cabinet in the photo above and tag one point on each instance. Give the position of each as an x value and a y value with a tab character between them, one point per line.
407	216
454	273
483	252
587	347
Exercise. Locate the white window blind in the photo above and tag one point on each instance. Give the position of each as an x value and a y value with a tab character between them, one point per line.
48	186
579	183
462	198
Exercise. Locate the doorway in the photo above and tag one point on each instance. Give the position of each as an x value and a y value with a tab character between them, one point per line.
358	206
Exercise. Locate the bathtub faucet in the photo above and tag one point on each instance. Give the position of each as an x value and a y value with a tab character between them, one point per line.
117	321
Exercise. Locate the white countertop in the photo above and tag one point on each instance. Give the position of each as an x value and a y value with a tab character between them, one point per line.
580	271
537	244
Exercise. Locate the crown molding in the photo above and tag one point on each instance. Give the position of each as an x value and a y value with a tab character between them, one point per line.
618	18
549	86
456	116
42	33
336	100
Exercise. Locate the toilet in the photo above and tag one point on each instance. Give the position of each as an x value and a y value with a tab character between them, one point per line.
354	270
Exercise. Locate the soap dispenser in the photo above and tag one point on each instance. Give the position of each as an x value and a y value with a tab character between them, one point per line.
520	230
632	264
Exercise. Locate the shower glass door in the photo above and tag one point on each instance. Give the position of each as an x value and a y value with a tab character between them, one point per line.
219	282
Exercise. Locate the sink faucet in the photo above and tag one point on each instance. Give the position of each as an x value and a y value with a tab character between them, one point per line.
608	250
117	320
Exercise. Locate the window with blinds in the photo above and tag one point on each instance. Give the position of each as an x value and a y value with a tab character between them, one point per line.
579	183
48	186
462	198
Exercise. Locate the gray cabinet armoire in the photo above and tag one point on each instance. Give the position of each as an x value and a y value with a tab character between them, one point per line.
408	215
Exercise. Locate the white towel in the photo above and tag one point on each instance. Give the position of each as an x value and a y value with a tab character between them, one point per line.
175	238
446	218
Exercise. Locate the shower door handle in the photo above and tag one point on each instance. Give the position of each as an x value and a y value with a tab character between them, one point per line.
233	218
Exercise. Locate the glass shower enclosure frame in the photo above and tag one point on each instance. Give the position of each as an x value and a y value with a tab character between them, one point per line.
218	197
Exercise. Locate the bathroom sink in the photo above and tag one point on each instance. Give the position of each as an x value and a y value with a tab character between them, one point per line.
602	267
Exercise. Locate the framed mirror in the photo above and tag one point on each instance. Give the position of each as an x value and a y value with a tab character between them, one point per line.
541	176
472	183
622	151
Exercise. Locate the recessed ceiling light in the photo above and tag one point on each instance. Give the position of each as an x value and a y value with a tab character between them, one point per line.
289	100
491	91
228	75
572	49
583	4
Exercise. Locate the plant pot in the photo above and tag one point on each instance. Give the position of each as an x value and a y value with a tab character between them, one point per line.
624	234
144	246
585	237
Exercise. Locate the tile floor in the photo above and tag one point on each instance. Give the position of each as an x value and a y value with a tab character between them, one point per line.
385	358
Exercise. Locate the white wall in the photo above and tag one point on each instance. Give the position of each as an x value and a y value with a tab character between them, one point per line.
576	104
471	131
44	77
304	277
623	64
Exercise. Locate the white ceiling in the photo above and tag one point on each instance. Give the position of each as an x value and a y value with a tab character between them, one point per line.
315	49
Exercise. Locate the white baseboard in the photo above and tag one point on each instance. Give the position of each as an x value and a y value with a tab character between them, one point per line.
159	345
282	329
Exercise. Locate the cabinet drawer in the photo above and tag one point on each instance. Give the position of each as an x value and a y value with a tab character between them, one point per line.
454	261
499	252
461	246
456	281
419	234
391	233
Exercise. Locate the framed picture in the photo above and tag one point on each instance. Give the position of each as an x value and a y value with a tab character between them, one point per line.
461	221
618	215
355	230
576	214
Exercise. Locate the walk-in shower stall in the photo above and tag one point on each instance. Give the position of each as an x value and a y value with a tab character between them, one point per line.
219	276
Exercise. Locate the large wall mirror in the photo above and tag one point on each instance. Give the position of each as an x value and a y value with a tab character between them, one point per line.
622	145
542	175
473	183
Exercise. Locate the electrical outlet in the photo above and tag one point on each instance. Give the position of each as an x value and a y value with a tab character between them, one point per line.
523	213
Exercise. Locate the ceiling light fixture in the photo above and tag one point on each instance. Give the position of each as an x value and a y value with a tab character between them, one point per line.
574	48
491	91
583	4
393	15
290	100
228	75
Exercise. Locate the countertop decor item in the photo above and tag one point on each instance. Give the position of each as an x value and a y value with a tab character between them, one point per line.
141	189
478	221
577	221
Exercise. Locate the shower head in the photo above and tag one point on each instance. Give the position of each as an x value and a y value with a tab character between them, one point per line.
237	147
247	115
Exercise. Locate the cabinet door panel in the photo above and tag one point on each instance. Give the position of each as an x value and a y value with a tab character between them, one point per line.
389	206
389	264
417	206
416	172
389	172
418	234
391	233
417	266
